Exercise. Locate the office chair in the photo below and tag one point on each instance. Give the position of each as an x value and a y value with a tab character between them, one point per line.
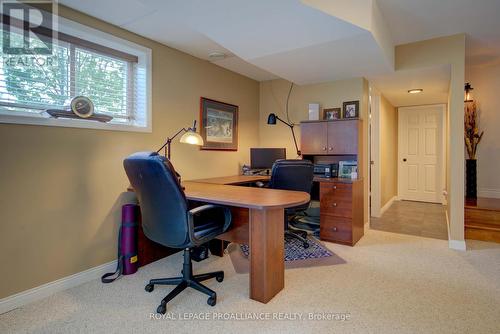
167	220
293	175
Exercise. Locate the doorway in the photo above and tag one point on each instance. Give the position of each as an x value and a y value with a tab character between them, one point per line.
407	153
421	148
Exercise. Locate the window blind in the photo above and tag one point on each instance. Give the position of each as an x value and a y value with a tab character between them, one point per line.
33	83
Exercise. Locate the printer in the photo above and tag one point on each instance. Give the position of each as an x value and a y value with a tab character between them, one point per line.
326	170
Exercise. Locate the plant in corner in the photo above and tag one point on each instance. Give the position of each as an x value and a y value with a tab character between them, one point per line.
472	139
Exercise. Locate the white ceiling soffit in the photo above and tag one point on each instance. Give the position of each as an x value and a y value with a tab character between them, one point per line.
435	82
416	20
159	21
263	39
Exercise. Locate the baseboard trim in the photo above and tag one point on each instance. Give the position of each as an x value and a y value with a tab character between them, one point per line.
490	193
25	297
457	245
388	205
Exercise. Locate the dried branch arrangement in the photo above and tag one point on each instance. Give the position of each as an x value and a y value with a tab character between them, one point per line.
471	129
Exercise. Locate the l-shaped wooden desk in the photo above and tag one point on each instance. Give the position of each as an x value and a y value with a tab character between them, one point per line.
261	212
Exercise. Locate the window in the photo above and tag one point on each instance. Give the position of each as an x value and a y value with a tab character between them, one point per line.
114	74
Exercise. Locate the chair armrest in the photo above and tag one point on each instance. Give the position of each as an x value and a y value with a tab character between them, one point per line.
207	208
202	208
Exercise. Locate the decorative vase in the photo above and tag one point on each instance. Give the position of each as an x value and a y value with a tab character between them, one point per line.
471	178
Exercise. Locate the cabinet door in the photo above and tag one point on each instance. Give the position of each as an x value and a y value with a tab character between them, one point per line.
343	137
313	138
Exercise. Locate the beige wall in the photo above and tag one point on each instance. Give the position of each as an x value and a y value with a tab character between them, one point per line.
486	83
451	51
388	151
273	95
61	188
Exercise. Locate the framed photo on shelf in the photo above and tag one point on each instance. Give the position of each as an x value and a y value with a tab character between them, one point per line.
218	125
347	167
351	109
331	114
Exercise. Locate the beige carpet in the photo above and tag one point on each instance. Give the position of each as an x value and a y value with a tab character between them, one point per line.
391	283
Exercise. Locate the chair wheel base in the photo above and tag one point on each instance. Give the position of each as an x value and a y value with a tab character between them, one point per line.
162	309
188	280
212	301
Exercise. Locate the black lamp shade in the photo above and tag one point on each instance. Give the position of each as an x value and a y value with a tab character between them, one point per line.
271	119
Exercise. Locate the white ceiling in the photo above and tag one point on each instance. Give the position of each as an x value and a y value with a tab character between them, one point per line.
308	41
415	20
263	39
434	81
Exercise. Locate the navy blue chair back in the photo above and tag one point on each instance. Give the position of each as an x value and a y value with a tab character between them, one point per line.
163	204
293	175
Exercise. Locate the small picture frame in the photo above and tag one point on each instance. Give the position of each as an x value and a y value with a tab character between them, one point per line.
351	109
332	114
346	168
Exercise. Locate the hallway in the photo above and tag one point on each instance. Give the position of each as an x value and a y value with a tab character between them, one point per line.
414	218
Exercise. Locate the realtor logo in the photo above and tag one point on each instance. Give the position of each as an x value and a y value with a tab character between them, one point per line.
27	26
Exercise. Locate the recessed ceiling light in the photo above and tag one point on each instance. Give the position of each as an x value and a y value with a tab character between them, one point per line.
415	91
213	56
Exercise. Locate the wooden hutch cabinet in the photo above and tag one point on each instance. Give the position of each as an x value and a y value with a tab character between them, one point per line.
333	137
341	199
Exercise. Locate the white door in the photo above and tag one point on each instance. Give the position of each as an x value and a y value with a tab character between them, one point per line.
421	153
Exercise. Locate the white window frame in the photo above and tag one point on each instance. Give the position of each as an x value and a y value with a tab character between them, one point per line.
144	64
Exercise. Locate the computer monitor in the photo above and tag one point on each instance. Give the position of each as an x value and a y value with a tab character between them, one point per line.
264	158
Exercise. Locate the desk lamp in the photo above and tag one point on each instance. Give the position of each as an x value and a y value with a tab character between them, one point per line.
271	120
190	136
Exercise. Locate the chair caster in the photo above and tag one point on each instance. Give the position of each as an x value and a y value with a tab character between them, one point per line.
220	277
149	287
162	309
212	300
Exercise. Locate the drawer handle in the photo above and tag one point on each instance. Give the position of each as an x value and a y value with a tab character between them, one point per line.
334	187
334	229
334	204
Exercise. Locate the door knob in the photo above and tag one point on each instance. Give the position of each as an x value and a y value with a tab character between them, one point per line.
404	160
324	148
334	204
330	148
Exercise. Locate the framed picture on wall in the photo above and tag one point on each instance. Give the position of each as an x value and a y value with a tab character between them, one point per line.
331	114
351	109
218	125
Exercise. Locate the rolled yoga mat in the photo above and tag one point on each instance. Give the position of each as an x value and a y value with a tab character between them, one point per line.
128	240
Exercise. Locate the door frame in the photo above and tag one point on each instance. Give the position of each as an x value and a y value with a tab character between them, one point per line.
375	179
443	145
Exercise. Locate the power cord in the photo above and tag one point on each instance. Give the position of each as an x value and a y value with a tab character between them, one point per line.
288	99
